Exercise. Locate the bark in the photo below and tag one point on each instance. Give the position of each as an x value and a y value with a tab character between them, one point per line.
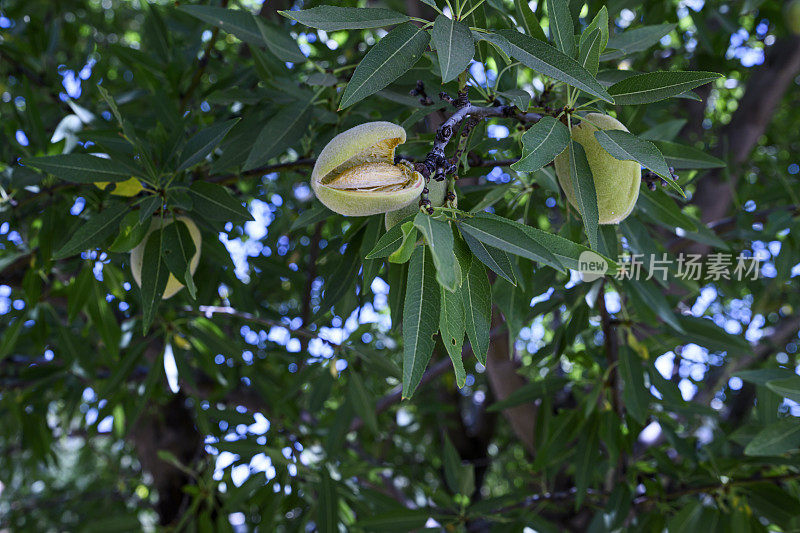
504	380
765	90
170	428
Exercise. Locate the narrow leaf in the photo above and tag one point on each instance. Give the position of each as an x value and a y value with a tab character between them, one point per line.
93	232
636	40
549	61
502	234
654	86
420	318
529	20
279	42
497	260
680	156
452	329
541	144
454	46
214	202
561	27
283	130
239	22
333	18
154	277
777	438
393	56
439	237
585	193
81	168
203	142
178	251
476	296
589	52
626	146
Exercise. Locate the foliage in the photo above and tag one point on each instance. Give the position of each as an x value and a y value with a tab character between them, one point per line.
323	372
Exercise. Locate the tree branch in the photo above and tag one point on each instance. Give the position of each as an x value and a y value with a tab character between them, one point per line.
765	89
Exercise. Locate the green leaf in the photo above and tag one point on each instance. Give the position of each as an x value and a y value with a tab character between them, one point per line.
239	22
333	18
585	193
498	41
439	236
626	146
664	131
636	40
407	244
654	86
81	168
517	97
589	52
706	333
495	194
393	56
762	376
454	46
178	251
420	318
131	232
599	22
93	232
389	241
634	393
661	208
788	388
497	260
402	519
773	503
476	296
279	42
585	464
10	336
777	438
561	26
283	130
342	280
529	20
370	267
327	504
203	142
541	144
503	234
566	251
546	60
214	202
680	156
452	329
154	277
121	370
362	401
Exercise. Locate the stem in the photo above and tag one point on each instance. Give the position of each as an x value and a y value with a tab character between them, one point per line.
473	8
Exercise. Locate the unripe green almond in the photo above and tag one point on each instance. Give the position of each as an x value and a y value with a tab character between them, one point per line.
436	194
137	254
616	182
792	12
355	174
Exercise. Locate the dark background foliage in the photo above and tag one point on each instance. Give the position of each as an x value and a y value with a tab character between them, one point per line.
272	400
